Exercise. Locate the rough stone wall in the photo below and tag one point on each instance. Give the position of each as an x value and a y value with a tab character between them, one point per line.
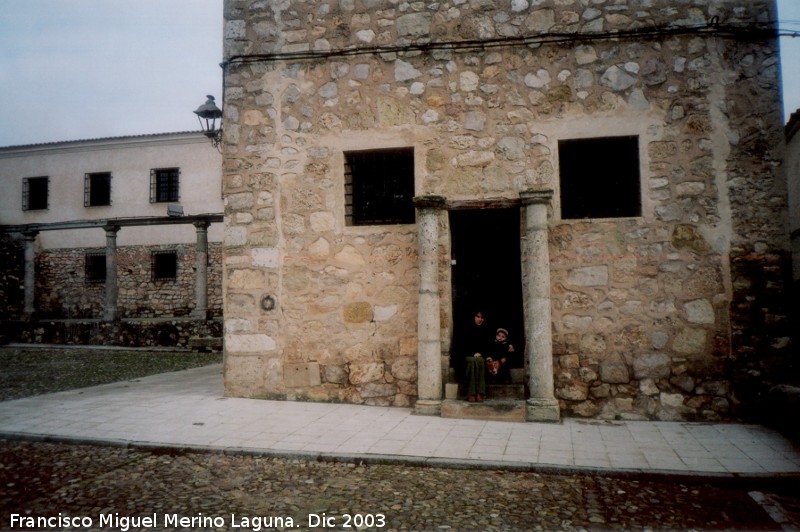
12	277
156	332
62	290
652	315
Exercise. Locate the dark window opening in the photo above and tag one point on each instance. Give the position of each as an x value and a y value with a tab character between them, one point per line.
600	177
35	193
96	267
379	187
97	189
164	184
164	265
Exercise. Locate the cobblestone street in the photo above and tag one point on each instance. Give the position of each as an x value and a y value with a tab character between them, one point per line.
42	479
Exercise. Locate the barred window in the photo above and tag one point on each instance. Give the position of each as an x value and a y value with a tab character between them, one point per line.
95	267
164	265
164	184
97	189
379	187
600	177
35	193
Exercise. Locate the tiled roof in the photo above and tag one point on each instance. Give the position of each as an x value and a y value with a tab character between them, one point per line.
98	139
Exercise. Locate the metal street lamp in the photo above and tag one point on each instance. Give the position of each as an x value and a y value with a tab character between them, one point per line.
207	115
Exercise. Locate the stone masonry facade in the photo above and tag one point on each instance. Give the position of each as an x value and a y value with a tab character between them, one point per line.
671	314
63	291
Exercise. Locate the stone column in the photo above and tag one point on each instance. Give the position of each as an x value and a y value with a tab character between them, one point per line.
429	354
542	405
29	308
110	312
201	271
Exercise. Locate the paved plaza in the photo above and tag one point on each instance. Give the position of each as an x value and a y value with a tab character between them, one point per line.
187	410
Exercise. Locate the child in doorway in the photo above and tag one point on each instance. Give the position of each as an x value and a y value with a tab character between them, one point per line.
499	364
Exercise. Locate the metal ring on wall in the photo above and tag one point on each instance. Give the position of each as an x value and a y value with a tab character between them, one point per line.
268	303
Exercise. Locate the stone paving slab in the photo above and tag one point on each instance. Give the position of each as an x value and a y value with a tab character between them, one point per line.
187	410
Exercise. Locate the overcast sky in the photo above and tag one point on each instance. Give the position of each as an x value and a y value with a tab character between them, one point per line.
77	69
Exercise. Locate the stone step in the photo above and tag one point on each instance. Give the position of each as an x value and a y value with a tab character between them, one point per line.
489	410
515	392
205	344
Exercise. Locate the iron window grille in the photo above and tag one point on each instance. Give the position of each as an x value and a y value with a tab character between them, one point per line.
164	265
379	187
97	189
95	267
164	185
600	177
35	193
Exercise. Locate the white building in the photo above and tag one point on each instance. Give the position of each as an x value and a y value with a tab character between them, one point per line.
135	210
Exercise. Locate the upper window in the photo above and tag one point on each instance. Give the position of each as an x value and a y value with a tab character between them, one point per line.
164	184
35	193
600	177
97	189
379	187
164	265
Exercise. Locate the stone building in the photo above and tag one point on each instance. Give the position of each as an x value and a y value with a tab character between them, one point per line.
793	185
603	178
108	229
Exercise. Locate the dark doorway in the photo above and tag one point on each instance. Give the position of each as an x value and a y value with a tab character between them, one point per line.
486	270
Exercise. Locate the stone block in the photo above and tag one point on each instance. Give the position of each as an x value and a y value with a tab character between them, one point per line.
335	374
651	365
414	24
699	311
244	376
451	390
301	375
576	391
265	257
690	341
648	387
588	276
405	369
364	373
359	312
614	371
249	343
683	382
488	410
246	279
674	400
376	389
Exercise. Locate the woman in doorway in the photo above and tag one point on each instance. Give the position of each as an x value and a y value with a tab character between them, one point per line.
475	343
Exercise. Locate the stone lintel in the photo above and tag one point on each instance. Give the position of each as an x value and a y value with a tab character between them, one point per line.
536	195
428	407
430	202
542	410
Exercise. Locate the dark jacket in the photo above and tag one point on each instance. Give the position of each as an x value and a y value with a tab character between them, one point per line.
473	339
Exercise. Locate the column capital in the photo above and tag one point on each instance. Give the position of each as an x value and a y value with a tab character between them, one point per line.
30	235
536	195
430	202
110	228
201	224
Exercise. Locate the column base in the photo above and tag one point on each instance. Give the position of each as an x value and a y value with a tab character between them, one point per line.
200	314
542	410
428	407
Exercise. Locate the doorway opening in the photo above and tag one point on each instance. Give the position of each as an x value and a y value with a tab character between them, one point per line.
486	273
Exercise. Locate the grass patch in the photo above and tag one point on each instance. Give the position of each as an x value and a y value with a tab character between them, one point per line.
34	371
